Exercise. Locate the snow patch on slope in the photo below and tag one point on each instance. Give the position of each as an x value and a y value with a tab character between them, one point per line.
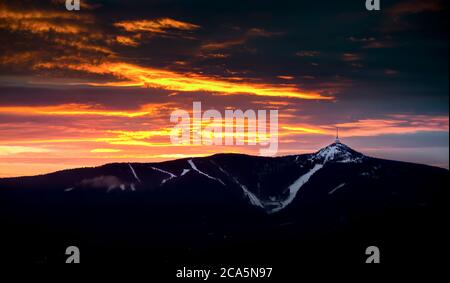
134	173
337	188
171	175
203	173
251	196
295	188
254	200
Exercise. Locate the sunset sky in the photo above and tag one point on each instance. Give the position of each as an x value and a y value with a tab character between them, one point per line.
89	87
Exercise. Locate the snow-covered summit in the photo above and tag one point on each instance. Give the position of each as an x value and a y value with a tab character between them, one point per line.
337	152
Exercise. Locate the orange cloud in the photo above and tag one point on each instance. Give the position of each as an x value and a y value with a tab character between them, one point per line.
36	21
156	26
169	80
74	32
398	124
305	129
126	40
69	110
286	77
18	58
223	44
83	44
140	135
7	13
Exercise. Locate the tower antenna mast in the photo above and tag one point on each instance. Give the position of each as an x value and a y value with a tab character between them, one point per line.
337	136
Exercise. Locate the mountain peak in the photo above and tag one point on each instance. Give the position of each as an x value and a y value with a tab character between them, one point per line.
337	152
